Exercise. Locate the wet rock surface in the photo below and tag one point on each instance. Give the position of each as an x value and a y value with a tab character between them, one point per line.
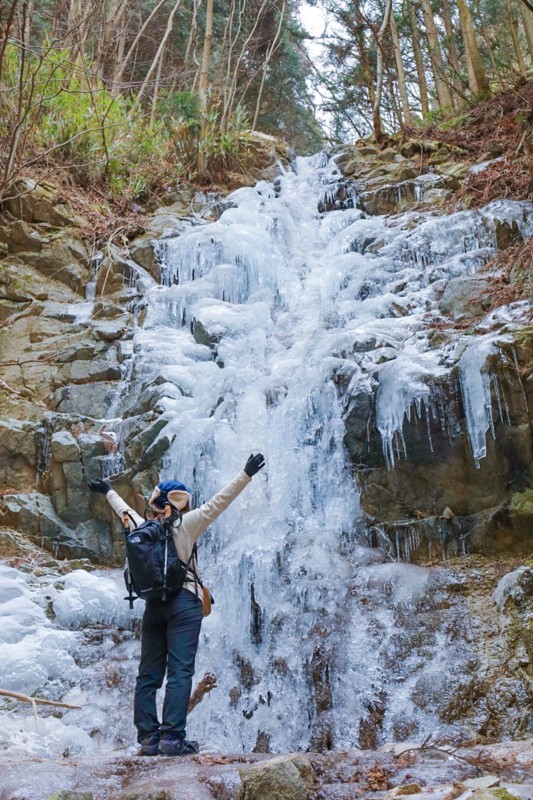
496	772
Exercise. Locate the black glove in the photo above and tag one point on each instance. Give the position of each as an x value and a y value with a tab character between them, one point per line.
101	486
254	464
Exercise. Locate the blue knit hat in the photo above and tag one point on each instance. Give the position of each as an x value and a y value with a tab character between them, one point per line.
173	492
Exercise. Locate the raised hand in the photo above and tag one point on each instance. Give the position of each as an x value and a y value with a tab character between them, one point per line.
254	464
100	486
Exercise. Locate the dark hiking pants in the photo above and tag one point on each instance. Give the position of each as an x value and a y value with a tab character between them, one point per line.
169	640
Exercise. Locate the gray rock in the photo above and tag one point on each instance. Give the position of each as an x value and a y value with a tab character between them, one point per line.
34	514
22	238
18	454
32	202
92	371
54	263
465	297
92	445
94	536
110	329
148	447
64	447
87	400
204	336
146	253
10	308
106	309
289	777
388	155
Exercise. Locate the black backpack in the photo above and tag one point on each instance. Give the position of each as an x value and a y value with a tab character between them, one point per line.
153	568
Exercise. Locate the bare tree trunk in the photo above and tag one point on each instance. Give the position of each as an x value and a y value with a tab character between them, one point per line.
232	41
527	21
472	50
402	83
398	123
270	51
131	51
204	80
419	61
113	14
363	55
443	93
157	57
193	31
79	18
490	48
156	89
472	82
233	88
453	57
514	36
376	108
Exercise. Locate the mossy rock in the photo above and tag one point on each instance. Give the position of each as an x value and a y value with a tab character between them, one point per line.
522	503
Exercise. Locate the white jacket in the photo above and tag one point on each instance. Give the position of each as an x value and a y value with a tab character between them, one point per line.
193	523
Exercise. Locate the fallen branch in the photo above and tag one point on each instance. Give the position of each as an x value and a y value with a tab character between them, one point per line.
208	682
34	700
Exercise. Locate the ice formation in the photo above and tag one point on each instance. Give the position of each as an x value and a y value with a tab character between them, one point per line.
258	318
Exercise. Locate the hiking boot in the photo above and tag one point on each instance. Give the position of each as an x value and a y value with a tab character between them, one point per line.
178	747
149	745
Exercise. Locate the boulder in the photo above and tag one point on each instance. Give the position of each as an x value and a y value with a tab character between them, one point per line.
20	237
114	273
108	330
146	253
389	198
453	173
465	297
64	447
62	258
290	777
10	308
34	515
18	454
93	371
148	447
33	202
203	335
388	155
267	154
86	400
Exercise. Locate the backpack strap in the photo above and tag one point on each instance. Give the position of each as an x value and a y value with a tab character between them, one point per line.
172	516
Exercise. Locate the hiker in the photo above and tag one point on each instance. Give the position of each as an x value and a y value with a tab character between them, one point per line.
171	628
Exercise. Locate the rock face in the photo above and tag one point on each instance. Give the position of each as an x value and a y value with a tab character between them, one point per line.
407	175
64	358
437	470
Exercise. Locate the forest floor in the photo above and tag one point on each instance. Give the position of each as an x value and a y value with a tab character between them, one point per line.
500	130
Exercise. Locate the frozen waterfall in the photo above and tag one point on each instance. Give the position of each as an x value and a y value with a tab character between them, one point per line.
265	321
